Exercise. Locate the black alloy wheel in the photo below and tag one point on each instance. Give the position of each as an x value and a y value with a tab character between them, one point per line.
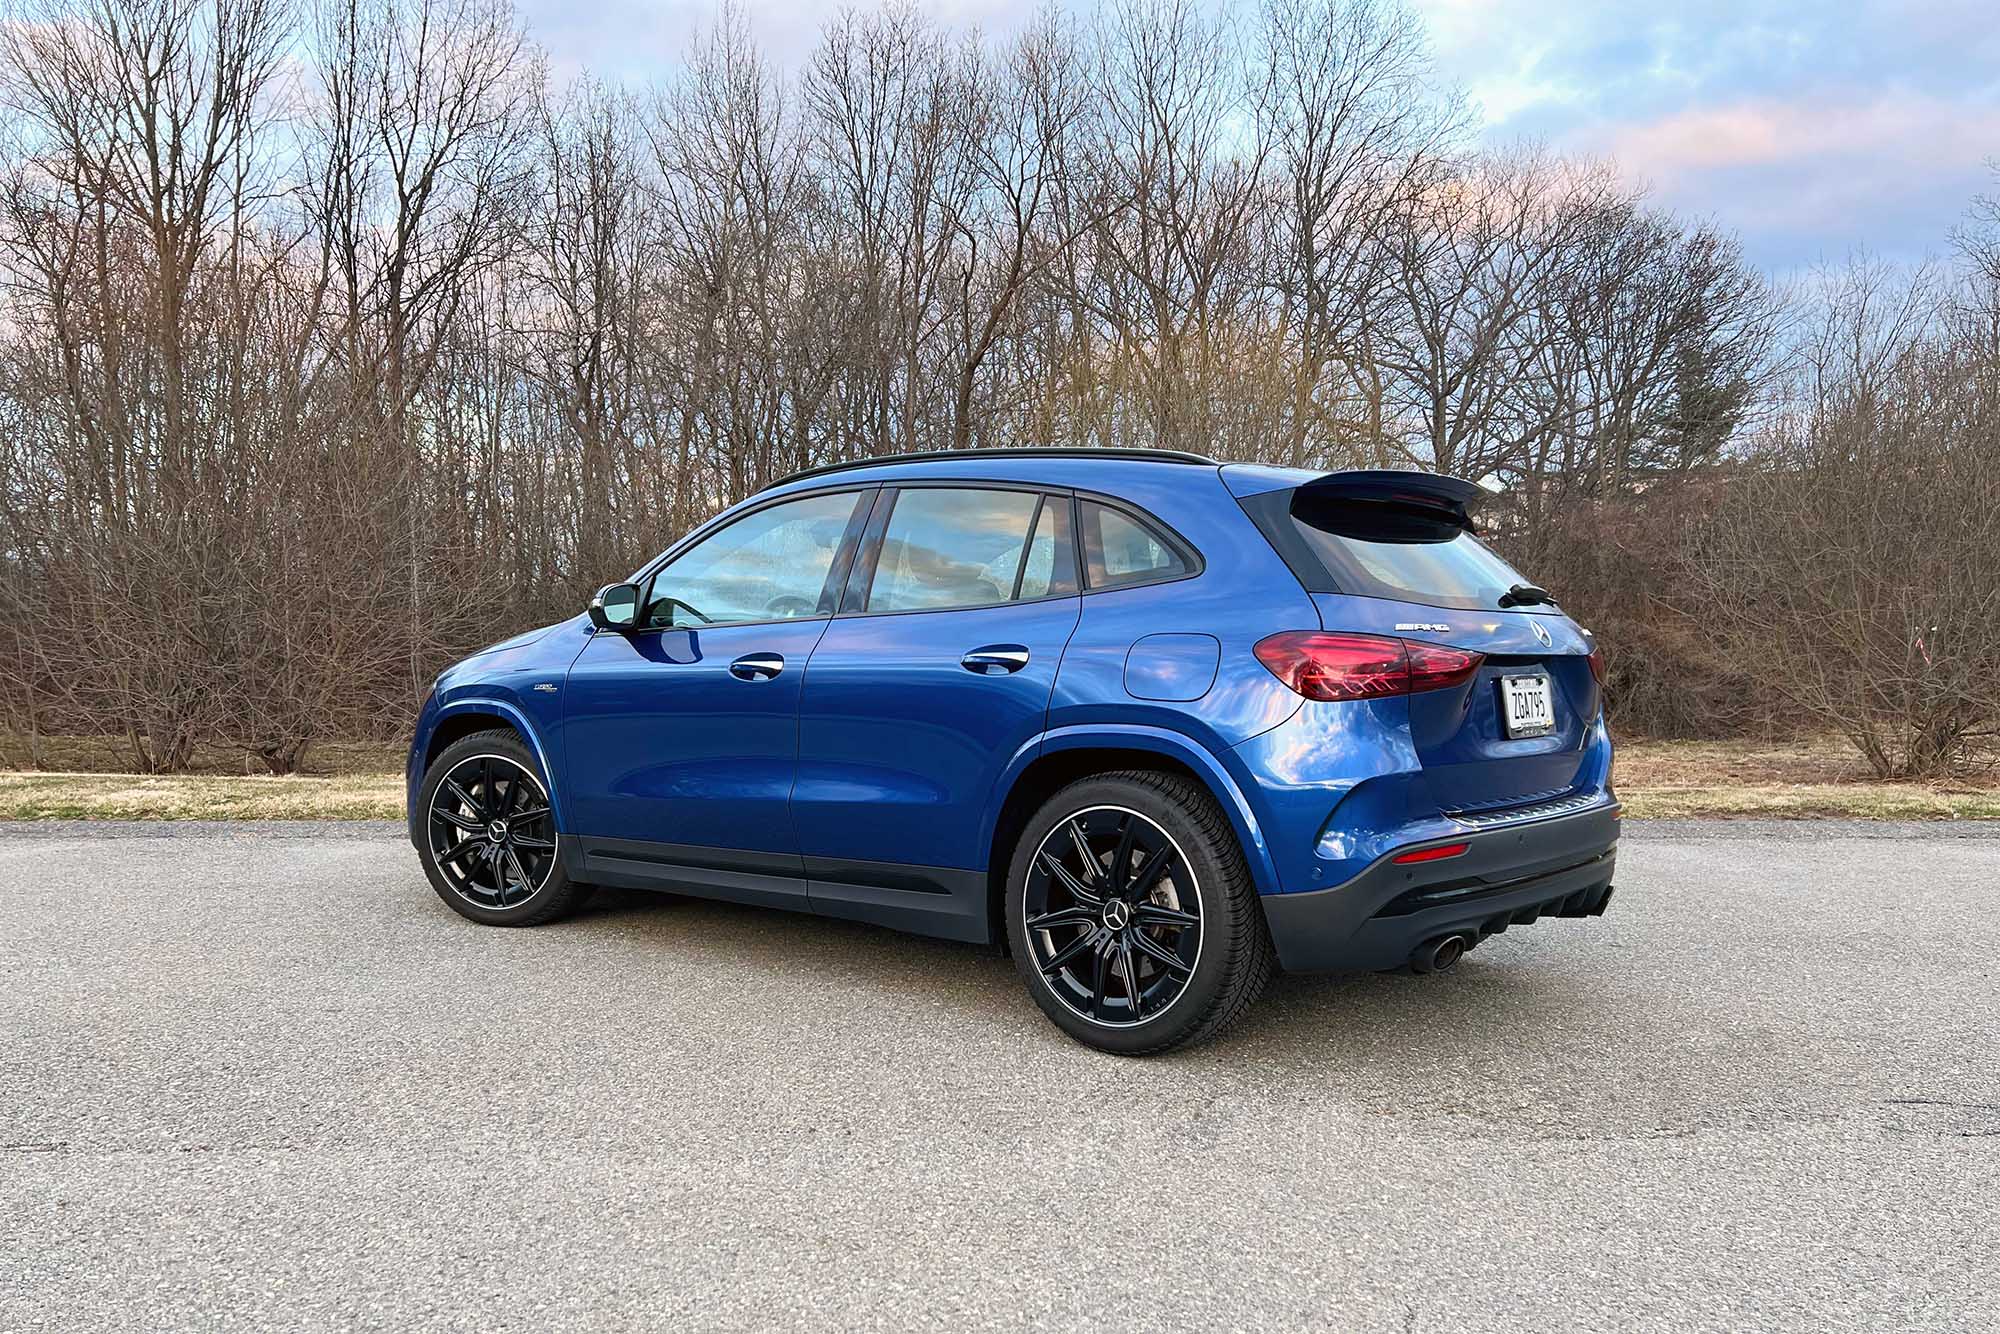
490	831
488	834
1113	916
1132	915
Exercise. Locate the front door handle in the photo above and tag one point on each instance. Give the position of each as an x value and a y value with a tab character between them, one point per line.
995	659
757	666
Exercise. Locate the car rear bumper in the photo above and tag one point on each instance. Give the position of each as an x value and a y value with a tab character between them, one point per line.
1508	875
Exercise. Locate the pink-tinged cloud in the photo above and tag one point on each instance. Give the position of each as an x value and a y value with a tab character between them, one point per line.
1848	150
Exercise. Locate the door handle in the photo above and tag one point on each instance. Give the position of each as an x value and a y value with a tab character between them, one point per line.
757	666
995	659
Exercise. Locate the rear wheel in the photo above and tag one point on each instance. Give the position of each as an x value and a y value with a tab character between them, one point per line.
489	841
1132	915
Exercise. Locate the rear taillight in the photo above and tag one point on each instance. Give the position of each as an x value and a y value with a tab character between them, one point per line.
1322	665
1434	667
1596	661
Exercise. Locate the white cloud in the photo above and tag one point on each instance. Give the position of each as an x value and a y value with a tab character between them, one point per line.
1808	127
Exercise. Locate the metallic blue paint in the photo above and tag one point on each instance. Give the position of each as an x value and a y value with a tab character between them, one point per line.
1178	667
664	744
899	745
1231	785
499	683
1254	479
875	745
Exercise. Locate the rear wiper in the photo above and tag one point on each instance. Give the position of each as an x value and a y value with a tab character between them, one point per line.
1526	595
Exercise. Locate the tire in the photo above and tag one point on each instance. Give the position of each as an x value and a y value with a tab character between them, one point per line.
512	876
1107	988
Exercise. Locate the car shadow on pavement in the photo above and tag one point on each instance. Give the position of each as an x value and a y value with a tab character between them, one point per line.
1474	1014
786	941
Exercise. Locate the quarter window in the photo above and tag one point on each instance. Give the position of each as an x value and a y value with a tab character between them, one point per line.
953	547
767	566
1118	549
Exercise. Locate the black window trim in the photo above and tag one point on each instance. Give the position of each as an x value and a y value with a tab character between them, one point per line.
836	574
871	517
1028	547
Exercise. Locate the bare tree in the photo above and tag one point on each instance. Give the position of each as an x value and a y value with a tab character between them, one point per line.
416	136
1020	122
1853	557
334	340
885	95
755	300
135	121
1358	134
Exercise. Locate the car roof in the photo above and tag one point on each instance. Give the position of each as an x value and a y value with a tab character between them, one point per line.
1051	466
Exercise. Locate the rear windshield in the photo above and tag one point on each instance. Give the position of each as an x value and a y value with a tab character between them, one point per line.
1380	550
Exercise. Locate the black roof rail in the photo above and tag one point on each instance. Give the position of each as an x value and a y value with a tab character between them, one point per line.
1025	452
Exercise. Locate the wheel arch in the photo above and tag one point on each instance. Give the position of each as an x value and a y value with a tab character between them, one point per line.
463	718
1059	758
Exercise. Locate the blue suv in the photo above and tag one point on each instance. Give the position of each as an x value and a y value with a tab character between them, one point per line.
1153	723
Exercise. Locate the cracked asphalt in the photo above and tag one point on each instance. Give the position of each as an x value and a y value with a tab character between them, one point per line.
259	1077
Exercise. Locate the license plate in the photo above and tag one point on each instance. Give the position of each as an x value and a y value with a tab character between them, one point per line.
1527	706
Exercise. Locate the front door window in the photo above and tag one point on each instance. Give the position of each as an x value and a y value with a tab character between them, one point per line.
770	565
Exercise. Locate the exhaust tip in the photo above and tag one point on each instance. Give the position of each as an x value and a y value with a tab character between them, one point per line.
1439	955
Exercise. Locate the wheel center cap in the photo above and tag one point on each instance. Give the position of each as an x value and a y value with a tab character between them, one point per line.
497	831
1117	914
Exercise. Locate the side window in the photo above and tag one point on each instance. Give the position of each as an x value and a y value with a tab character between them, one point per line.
767	566
1118	549
952	547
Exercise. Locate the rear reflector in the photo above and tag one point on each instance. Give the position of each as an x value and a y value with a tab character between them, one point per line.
1327	666
1437	854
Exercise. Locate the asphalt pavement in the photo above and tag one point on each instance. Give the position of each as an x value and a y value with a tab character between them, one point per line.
259	1077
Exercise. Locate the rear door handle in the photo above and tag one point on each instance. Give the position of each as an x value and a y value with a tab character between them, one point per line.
757	666
995	659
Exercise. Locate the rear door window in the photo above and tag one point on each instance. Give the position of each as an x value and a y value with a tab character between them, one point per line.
946	547
1050	567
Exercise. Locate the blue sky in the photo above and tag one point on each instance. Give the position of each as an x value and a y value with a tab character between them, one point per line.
1809	129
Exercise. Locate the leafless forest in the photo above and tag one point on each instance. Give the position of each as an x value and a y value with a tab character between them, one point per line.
338	338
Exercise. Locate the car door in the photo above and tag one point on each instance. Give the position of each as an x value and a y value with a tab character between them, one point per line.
681	736
937	671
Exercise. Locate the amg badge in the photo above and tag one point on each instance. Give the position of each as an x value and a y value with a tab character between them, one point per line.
1422	625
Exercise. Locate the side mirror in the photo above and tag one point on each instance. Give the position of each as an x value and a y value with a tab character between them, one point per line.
615	607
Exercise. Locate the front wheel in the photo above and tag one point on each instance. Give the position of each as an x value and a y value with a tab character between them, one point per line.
488	835
1132	915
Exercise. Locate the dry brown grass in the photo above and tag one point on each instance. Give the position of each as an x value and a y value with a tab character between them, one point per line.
60	796
1799	801
1807	777
1657	780
1821	759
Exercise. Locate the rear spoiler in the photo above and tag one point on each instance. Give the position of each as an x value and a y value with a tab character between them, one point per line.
1448	499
